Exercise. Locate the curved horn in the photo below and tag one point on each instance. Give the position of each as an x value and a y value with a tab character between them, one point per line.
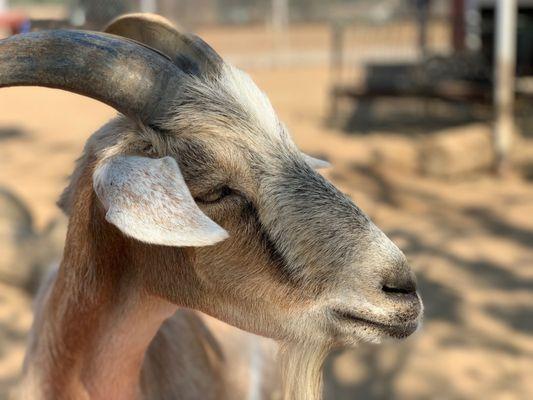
136	80
161	34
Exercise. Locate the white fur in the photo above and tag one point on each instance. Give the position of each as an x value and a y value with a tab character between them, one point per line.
245	92
148	200
315	163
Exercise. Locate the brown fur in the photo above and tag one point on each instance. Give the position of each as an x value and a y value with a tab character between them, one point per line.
104	275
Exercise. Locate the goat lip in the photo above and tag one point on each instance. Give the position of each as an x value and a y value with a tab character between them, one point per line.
398	331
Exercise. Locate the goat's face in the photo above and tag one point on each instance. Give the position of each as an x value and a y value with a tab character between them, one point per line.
302	261
278	250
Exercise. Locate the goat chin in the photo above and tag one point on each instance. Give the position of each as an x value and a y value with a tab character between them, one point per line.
301	368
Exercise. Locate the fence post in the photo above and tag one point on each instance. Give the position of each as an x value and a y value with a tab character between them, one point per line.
458	25
280	24
336	66
504	88
280	15
148	6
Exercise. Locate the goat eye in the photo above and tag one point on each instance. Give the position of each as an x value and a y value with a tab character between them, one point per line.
215	195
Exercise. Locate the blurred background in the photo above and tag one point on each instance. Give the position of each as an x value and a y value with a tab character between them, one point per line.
424	108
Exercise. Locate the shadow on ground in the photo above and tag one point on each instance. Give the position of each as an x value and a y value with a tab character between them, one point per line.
12	132
475	324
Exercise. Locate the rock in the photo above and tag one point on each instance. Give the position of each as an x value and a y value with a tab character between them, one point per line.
457	152
17	240
26	256
398	153
15	321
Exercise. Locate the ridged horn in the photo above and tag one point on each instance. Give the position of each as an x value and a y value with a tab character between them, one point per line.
135	80
187	50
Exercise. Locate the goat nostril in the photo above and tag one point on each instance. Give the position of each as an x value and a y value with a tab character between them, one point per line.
402	283
407	288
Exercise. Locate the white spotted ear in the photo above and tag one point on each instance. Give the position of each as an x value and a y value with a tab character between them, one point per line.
315	163
147	199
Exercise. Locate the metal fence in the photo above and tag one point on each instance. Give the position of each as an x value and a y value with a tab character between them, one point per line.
196	13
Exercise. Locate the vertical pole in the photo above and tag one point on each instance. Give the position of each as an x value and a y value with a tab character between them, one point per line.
280	15
336	66
472	23
422	9
505	64
458	24
174	10
280	23
148	6
337	51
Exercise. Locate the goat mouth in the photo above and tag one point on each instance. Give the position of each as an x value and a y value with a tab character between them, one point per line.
397	331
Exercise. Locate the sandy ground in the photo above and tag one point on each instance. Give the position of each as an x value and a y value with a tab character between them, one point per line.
470	243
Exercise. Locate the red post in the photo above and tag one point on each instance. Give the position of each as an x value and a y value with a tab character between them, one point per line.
458	24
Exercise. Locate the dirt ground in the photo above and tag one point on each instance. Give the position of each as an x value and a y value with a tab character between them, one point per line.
470	242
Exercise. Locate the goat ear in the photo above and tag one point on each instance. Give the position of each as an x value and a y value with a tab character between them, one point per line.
316	163
147	199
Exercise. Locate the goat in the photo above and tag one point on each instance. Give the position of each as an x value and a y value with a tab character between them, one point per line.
195	197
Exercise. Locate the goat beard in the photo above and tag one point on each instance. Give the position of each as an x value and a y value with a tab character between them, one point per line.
301	368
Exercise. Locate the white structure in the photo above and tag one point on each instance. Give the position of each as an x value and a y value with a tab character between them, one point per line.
505	64
148	6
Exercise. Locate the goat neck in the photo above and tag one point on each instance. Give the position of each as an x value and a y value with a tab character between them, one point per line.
98	320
